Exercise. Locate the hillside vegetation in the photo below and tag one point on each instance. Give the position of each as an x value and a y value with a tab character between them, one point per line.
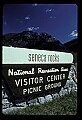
66	105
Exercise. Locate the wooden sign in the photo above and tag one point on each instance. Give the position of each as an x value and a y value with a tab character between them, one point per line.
29	72
25	80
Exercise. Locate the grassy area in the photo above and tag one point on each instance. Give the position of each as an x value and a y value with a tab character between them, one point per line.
66	105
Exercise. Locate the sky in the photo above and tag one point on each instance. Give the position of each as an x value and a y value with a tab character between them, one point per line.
58	20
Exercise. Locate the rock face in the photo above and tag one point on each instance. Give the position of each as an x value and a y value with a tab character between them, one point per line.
72	45
30	39
42	41
70	86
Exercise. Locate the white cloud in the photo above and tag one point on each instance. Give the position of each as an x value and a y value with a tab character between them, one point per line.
30	28
74	33
34	4
33	28
36	28
27	18
52	17
49	10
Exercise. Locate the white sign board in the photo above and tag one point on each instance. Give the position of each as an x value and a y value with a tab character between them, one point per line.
13	55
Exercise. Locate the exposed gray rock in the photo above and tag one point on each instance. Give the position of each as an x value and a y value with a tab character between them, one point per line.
69	90
73	89
71	72
72	83
66	91
67	84
5	101
4	95
5	111
41	100
5	105
33	102
2	86
76	88
48	98
62	92
37	103
21	104
55	96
